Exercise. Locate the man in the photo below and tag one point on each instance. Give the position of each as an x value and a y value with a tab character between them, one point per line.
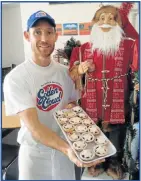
106	62
34	90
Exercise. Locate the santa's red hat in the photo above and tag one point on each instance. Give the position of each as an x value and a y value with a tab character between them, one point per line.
126	25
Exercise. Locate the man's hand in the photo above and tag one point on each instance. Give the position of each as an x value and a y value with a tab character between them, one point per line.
70	105
86	66
75	160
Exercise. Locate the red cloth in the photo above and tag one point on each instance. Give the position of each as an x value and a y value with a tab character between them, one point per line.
128	28
135	63
93	96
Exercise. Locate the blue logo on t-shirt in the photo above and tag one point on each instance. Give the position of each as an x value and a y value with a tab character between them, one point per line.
49	97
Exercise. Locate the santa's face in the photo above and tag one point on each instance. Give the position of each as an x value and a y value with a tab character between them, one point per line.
106	38
106	33
106	21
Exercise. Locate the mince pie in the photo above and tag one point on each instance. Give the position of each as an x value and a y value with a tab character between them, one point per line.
87	137
63	120
87	122
82	115
60	114
70	114
75	120
87	154
68	127
74	136
77	109
101	140
79	145
81	128
94	129
101	150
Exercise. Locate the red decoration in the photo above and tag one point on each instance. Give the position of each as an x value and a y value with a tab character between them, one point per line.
126	25
126	7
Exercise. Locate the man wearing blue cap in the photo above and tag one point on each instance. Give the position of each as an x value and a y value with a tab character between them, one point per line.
34	90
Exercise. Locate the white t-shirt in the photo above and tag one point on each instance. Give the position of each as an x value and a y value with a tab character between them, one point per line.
45	88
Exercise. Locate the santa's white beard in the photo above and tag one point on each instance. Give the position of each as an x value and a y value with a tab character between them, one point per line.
106	42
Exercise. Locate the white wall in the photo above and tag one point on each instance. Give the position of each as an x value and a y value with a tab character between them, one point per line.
12	37
62	13
134	17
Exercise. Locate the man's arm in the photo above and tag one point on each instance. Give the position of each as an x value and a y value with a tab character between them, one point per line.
19	101
48	137
41	132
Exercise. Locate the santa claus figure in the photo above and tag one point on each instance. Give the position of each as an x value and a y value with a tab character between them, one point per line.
107	62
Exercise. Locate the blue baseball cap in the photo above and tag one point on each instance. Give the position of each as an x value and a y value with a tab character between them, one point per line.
37	16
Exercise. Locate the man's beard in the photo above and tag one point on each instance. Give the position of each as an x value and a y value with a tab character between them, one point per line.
106	42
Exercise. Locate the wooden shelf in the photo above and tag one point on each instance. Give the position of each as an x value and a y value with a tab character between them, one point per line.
9	121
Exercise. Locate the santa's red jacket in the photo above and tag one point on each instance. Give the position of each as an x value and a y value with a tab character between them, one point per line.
106	89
